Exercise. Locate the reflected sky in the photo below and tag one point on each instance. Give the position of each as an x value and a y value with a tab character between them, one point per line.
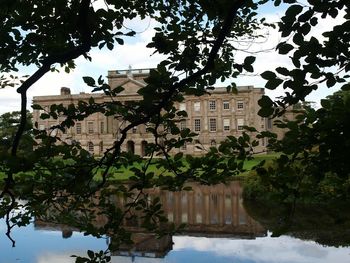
39	246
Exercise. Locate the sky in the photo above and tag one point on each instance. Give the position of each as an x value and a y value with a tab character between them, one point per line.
135	54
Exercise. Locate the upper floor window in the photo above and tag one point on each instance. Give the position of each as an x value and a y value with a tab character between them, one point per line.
212	105
226	124
90	127
134	129
197	125
226	105
240	105
197	106
212	124
78	128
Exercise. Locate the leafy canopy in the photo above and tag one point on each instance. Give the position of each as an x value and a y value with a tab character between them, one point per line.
198	40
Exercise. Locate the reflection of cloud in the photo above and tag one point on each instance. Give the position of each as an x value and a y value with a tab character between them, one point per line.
267	249
308	250
55	258
120	259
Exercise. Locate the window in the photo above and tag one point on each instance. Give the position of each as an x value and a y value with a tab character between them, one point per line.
90	147
134	129
101	147
226	124
183	124
240	124
240	105
226	105
184	146
212	105
182	107
212	124
102	127
78	128
197	125
90	127
212	143
197	106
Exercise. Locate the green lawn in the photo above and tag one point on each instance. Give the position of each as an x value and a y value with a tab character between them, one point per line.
125	173
248	165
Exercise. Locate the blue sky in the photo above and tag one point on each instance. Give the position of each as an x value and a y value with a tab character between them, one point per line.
135	54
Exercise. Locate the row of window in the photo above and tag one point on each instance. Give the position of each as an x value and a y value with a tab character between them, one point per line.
213	124
197	126
212	105
90	127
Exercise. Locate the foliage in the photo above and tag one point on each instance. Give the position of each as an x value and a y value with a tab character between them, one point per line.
314	161
197	39
9	123
316	60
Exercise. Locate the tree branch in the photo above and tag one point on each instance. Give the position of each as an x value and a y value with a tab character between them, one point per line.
85	32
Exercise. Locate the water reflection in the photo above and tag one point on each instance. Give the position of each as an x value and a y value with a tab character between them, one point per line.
207	211
218	229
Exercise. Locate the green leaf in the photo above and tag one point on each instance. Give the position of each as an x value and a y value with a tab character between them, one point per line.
273	83
283	71
346	87
44	116
120	41
325	103
284	48
249	60
293	10
89	81
178	156
91	254
265	112
265	101
268	75
37	107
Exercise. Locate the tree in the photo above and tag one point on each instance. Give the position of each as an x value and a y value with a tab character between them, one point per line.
9	123
198	40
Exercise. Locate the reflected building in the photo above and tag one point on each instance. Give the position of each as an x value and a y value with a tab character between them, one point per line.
207	211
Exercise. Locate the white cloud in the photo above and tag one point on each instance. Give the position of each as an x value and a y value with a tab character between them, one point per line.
135	53
267	249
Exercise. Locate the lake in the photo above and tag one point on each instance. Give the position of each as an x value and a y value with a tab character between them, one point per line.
220	227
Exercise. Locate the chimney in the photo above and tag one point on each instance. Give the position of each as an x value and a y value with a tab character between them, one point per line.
65	91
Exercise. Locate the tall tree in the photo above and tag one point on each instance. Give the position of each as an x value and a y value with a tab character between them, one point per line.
9	123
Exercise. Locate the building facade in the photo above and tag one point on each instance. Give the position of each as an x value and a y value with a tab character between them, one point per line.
213	117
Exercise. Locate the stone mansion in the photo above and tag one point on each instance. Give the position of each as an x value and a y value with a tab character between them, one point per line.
213	117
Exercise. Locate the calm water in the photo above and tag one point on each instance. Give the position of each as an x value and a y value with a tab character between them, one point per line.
219	230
